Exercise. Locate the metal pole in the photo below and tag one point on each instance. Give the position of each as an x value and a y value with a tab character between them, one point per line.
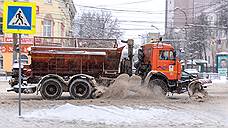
15	41
19	62
186	34
130	43
166	18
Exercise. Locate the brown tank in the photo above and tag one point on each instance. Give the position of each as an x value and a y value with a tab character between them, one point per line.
70	60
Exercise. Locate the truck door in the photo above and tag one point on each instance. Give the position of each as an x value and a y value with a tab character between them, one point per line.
166	64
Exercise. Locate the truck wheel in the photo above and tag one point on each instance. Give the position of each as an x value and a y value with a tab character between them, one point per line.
196	88
80	89
158	86
51	89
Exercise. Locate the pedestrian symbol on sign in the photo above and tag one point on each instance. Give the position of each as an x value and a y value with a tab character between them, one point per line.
19	19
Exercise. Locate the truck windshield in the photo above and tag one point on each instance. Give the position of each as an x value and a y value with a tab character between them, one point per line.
171	55
166	55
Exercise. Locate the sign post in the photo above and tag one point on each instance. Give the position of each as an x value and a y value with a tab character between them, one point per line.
19	18
19	62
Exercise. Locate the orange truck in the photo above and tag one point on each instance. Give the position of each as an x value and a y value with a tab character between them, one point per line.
78	66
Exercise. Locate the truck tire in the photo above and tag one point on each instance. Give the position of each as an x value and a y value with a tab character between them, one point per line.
51	89
158	85
80	89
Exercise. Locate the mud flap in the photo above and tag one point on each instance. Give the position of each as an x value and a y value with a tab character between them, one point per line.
196	91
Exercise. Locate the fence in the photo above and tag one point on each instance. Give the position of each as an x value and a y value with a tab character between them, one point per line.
74	42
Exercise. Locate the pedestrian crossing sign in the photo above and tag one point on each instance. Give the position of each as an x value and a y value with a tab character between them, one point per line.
19	17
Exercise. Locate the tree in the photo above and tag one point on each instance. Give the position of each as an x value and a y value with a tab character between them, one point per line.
222	20
197	37
96	25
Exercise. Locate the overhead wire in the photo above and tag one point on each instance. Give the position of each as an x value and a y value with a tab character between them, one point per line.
139	11
136	11
119	10
95	7
128	3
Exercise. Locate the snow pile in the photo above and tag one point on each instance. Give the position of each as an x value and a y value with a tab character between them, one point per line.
118	115
130	87
5	78
220	81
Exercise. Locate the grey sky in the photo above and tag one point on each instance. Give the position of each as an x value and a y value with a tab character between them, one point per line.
151	12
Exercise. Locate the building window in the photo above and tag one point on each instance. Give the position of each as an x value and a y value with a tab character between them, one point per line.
47	1
47	28
1	32
1	61
62	29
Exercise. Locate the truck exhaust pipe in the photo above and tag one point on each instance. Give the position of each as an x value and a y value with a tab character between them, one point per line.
130	44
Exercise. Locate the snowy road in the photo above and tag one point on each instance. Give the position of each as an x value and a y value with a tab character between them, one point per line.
150	116
174	111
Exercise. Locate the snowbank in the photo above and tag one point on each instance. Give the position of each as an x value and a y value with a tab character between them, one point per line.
220	81
119	115
5	78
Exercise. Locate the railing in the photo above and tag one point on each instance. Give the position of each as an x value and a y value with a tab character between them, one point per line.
211	76
74	42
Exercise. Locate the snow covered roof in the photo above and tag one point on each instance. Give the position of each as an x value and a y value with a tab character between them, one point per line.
222	53
72	52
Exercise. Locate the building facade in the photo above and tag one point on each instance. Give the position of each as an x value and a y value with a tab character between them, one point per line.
217	39
53	18
181	12
178	13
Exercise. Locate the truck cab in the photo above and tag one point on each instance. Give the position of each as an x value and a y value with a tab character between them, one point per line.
162	58
158	62
159	57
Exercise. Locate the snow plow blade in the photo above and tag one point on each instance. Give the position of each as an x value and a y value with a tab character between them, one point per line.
196	90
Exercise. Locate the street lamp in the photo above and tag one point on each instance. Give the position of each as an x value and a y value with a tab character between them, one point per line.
186	23
155	27
186	18
143	38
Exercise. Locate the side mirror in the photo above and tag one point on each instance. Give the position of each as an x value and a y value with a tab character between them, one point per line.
175	55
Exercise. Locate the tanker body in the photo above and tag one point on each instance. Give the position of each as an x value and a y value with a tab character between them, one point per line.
66	62
76	69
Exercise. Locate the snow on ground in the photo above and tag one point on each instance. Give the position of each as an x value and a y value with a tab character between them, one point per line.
123	115
220	81
176	111
5	78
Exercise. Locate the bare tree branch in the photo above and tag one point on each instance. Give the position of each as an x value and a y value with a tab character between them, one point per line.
97	25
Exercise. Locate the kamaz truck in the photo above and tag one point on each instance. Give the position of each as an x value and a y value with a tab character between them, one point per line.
79	66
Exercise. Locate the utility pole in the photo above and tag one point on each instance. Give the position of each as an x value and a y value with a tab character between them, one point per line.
193	11
15	41
166	17
186	33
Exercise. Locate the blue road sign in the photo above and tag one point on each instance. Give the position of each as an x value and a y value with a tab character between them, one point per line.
19	17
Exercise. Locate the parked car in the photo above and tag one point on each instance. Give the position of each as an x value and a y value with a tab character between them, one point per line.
193	72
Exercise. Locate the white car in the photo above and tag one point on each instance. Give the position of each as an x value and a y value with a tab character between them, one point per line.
194	72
